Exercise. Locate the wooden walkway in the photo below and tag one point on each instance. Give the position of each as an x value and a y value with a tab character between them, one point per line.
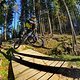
32	65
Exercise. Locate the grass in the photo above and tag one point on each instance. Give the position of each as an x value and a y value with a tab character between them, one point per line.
4	64
78	64
4	67
3	74
66	57
73	60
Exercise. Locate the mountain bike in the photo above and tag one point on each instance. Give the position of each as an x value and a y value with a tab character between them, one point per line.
31	38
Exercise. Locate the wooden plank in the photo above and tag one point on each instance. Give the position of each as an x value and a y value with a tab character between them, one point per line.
64	71
25	58
42	62
32	52
66	78
47	75
37	76
41	73
15	64
58	76
20	68
47	62
57	63
22	72
26	74
33	71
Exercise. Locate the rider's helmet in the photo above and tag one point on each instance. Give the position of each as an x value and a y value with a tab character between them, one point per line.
33	16
33	19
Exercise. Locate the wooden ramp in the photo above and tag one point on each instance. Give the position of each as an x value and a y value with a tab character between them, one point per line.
32	65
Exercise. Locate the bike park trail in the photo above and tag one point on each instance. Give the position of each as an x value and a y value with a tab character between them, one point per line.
31	65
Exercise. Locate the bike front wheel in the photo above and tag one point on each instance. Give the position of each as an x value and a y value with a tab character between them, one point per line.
17	44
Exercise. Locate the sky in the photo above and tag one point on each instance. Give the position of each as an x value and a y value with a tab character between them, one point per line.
16	15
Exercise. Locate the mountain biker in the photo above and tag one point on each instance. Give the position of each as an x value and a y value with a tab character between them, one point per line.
30	24
29	34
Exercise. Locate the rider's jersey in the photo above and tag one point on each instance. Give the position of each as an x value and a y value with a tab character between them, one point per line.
27	25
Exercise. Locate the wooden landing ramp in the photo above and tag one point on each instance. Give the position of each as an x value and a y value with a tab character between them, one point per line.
32	65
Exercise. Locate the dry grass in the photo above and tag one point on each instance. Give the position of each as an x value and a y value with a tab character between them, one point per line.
50	43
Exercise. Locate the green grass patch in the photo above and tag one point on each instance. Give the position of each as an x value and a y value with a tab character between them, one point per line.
73	60
5	62
78	64
66	57
4	74
4	67
1	56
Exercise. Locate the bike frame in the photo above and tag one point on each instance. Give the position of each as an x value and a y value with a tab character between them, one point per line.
25	37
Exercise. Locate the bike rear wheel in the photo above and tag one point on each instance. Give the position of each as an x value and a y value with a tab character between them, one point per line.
31	39
37	42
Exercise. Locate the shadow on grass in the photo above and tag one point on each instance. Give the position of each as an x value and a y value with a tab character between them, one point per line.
68	72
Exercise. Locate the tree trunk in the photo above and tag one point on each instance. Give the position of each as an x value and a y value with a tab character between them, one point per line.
49	18
52	22
72	28
39	21
49	24
34	6
1	32
5	27
41	27
60	26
